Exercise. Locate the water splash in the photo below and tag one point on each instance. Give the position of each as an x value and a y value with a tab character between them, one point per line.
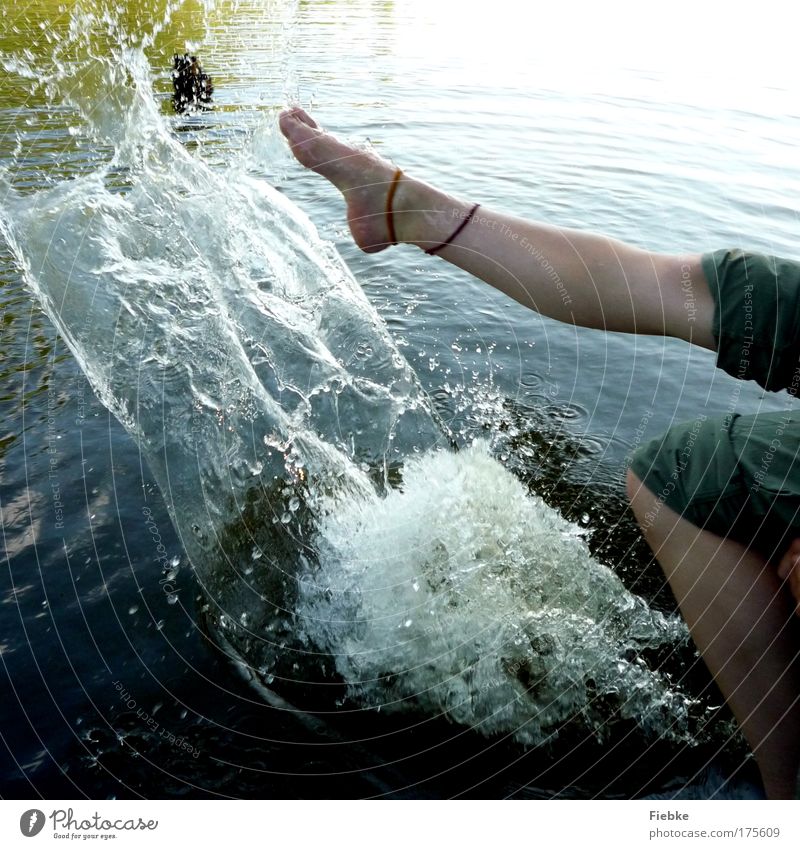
462	595
275	412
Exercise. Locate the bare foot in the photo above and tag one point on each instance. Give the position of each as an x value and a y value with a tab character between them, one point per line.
362	177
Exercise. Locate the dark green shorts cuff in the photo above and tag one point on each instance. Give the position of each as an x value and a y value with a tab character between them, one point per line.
756	316
737	476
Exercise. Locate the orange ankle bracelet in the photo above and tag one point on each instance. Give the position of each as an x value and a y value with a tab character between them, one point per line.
389	206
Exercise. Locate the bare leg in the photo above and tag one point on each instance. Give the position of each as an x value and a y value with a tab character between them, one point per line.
741	620
570	275
738	614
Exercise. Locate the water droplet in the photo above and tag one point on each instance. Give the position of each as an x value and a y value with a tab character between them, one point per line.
175	562
256	553
294	503
172	598
415	586
133	609
286	518
272	440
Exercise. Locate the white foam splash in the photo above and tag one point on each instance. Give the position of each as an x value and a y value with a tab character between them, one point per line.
460	594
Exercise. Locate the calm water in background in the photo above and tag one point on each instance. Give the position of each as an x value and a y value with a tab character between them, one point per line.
669	142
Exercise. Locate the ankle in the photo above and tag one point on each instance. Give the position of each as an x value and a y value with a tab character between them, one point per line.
423	216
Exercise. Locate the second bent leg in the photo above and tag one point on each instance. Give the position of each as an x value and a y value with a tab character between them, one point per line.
741	619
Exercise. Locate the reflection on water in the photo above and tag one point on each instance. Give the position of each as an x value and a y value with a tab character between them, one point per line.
162	245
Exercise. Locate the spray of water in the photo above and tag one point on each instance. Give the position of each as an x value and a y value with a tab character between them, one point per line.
274	410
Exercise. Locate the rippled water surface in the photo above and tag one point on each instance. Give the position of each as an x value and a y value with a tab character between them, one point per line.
456	636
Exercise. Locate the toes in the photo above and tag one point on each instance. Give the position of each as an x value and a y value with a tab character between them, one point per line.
290	118
288	122
303	116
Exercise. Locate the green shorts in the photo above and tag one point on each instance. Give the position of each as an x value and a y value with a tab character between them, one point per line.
756	317
739	476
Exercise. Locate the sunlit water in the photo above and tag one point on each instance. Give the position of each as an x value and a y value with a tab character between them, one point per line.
277	408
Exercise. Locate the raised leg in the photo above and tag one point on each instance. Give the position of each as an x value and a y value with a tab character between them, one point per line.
578	277
741	619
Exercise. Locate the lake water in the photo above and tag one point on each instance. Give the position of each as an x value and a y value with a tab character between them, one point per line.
116	678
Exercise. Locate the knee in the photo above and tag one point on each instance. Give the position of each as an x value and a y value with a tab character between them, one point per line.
647	511
632	483
643	503
633	488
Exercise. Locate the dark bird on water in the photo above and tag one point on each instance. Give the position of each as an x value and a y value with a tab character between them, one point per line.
191	86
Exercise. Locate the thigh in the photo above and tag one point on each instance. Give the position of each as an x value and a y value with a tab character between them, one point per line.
767	447
737	477
693	470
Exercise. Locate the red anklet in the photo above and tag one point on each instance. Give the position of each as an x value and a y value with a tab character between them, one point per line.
455	233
